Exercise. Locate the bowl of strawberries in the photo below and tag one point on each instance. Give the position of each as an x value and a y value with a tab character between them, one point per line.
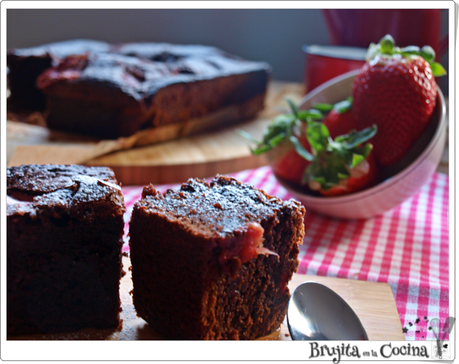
363	142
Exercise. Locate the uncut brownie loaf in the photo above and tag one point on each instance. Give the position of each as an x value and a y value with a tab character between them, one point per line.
212	261
111	91
26	64
64	239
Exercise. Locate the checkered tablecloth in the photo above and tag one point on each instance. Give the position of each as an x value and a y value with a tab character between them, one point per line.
406	247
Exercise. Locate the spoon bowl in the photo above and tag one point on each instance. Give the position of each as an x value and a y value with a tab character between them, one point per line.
315	312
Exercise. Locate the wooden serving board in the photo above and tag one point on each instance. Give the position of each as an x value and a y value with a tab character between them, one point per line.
203	155
373	302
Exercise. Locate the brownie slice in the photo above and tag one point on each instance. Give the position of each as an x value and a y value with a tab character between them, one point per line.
64	239
212	261
26	64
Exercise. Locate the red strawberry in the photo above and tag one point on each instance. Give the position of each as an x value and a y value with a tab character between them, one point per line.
340	123
290	166
361	177
396	91
287	164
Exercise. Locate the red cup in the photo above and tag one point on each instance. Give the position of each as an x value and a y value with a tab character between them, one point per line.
326	62
360	27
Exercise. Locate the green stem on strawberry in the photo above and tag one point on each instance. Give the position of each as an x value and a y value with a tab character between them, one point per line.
331	160
334	160
339	107
386	46
284	127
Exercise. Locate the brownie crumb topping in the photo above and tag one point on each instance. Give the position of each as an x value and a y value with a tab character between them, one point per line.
225	205
36	189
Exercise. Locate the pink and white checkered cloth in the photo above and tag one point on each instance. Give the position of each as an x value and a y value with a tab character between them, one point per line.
406	247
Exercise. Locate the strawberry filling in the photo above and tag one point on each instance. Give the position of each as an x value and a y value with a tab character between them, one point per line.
15	197
246	244
69	69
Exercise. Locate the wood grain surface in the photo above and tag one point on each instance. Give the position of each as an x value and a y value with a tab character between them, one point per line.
373	302
202	155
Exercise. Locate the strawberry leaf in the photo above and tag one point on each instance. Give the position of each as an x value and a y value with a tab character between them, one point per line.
355	138
353	157
293	107
310	114
269	144
387	44
321	180
334	159
323	107
356	159
247	136
300	149
437	69
365	149
274	142
387	47
260	150
427	53
343	106
373	51
410	50
280	125
327	170
317	135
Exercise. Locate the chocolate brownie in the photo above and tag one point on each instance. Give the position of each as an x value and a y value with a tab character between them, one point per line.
64	239
112	91
212	261
26	64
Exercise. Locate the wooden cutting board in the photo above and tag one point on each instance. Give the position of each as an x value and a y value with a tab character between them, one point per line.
221	151
373	302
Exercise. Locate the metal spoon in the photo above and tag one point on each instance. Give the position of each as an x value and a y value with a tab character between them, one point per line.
315	312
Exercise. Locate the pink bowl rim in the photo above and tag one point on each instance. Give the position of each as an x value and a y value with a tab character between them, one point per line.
391	180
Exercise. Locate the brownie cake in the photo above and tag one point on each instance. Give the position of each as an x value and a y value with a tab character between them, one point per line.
110	91
64	238
212	261
26	64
